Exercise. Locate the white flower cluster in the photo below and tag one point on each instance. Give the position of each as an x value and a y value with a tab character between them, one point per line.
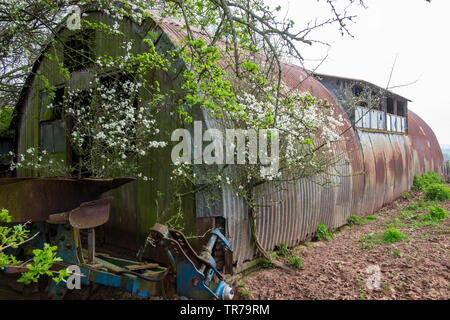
38	160
302	120
110	127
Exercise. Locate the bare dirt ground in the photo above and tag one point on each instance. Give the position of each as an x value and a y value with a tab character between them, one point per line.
415	268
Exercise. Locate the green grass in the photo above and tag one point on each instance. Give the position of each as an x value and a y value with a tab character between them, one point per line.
437	191
322	232
393	235
390	235
295	262
408	215
435	214
269	263
369	241
308	245
396	253
282	250
406	195
421	183
245	293
354	219
395	222
421	204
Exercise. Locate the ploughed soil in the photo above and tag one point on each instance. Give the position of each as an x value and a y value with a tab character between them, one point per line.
415	268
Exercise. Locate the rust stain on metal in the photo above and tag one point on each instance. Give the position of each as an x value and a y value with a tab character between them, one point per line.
36	199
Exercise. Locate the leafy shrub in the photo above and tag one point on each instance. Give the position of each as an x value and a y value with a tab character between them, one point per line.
392	235
6	114
43	259
354	219
269	263
421	183
437	191
406	195
371	218
283	250
435	214
245	293
322	232
368	241
414	206
296	262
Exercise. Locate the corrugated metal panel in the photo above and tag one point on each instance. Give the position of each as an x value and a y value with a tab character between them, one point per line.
391	161
447	170
423	141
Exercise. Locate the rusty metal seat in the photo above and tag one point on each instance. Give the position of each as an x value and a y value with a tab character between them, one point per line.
88	215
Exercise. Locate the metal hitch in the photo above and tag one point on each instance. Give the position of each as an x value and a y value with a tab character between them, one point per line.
194	271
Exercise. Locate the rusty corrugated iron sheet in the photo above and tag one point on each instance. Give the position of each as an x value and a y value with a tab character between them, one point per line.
392	160
426	150
447	171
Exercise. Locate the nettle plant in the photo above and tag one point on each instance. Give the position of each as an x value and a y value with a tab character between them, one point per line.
11	237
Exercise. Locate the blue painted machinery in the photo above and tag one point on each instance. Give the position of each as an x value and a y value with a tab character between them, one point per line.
196	275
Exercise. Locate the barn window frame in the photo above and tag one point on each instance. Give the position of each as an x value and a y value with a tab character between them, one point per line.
78	51
391	117
52	126
53	136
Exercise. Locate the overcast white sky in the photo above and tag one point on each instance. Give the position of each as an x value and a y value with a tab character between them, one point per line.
415	30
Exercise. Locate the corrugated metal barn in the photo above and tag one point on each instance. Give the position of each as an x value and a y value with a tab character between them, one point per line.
380	153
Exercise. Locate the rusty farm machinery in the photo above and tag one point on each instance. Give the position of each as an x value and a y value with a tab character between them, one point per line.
60	209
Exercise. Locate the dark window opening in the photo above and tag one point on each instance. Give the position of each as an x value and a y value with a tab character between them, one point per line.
53	138
390	106
401	108
51	109
357	90
78	50
362	104
52	126
58	104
